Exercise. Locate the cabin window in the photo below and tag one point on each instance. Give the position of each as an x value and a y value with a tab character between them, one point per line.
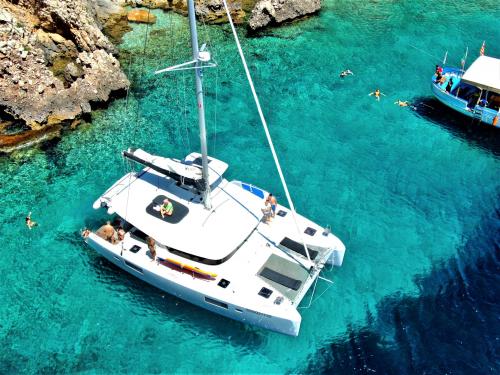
134	267
281	213
215	302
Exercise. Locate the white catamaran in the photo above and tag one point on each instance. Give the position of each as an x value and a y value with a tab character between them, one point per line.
216	249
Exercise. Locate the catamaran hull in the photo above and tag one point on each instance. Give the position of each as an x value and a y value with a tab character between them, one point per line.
239	313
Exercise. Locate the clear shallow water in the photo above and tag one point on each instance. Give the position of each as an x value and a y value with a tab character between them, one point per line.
413	194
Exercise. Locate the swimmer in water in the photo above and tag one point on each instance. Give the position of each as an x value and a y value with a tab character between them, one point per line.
30	223
405	103
345	73
377	94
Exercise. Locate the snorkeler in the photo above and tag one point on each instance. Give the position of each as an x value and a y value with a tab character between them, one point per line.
30	223
345	73
405	103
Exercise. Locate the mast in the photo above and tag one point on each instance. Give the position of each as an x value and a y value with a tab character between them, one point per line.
201	108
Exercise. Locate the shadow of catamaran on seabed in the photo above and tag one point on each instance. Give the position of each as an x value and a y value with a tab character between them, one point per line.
477	134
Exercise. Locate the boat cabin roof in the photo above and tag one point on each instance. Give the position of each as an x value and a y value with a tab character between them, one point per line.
210	234
484	73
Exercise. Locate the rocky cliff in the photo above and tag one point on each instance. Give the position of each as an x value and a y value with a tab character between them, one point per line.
54	62
57	56
273	12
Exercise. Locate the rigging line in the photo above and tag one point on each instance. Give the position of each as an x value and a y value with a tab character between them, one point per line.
215	108
185	110
177	100
141	74
129	87
427	53
312	295
266	130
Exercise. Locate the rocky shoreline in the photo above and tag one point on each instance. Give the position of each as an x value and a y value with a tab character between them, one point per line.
58	57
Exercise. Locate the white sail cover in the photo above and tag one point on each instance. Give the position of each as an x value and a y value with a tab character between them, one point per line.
484	73
168	164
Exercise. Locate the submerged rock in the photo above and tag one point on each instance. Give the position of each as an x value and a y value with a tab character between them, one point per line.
210	11
141	16
269	12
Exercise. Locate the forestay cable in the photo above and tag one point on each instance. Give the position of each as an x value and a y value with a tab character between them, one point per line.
264	124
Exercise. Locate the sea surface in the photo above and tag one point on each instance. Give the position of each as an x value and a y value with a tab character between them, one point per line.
413	193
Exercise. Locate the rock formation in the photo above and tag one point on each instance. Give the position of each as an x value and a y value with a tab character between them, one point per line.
54	61
269	12
211	11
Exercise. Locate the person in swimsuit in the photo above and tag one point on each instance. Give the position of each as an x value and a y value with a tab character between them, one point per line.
273	202
405	103
107	232
121	234
167	208
267	212
30	223
152	247
377	94
345	73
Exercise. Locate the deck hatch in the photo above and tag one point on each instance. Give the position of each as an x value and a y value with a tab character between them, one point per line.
310	231
180	211
281	279
223	283
266	293
297	247
135	249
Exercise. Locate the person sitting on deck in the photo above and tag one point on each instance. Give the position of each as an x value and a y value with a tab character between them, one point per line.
267	211
107	232
439	70
152	247
120	234
438	77
167	208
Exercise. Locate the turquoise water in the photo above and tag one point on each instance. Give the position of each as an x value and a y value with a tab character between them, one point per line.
405	190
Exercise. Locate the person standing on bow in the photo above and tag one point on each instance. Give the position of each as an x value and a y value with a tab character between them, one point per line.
273	202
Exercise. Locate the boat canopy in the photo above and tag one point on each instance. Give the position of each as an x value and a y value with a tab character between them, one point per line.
484	73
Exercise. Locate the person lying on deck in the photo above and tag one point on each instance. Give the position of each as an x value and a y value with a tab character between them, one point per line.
167	208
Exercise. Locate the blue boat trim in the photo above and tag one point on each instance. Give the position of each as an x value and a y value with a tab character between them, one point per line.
253	189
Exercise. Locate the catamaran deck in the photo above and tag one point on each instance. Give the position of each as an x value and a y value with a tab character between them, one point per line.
231	240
